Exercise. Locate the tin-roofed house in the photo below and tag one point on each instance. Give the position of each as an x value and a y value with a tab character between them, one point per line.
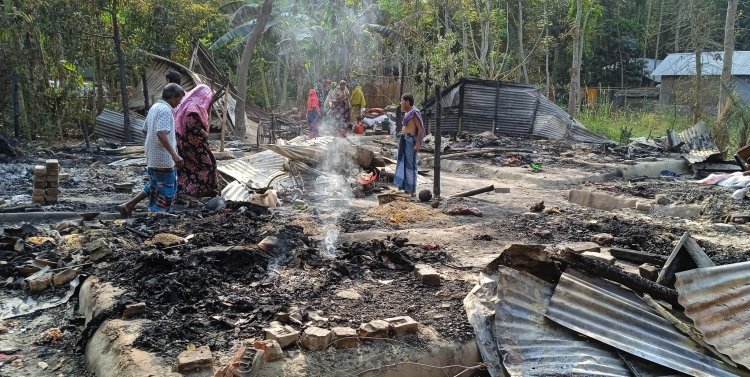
677	73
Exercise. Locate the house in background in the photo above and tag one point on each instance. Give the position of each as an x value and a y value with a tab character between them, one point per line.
677	73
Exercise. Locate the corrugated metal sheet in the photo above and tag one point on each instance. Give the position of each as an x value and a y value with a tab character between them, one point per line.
683	64
267	166
717	299
257	170
532	345
696	142
522	111
236	192
618	317
109	125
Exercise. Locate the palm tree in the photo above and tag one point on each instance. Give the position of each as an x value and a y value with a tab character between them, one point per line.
250	21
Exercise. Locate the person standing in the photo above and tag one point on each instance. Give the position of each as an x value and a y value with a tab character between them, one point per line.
313	113
161	154
410	141
173	77
341	107
199	177
357	101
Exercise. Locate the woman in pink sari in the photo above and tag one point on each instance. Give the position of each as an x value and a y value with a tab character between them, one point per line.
198	178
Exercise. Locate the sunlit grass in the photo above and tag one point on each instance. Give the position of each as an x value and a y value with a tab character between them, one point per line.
609	122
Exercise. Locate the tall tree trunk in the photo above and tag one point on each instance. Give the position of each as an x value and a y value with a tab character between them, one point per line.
647	33
98	72
546	55
678	25
658	32
575	69
464	37
725	88
16	104
521	52
698	51
240	129
121	72
266	98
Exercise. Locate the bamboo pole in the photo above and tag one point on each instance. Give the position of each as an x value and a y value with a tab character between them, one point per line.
224	118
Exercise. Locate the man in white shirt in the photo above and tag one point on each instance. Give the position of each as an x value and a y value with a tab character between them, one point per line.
161	154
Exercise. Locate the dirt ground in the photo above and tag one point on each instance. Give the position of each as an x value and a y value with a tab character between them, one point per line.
208	282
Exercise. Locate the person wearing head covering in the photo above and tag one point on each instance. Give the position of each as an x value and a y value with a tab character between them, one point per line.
198	178
357	101
313	112
341	107
410	141
330	97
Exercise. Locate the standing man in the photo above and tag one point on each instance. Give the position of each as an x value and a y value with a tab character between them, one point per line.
410	141
161	154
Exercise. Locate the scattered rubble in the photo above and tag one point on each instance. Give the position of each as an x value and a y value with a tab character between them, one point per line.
270	266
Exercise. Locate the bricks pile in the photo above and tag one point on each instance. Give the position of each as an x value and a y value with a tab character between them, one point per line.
46	183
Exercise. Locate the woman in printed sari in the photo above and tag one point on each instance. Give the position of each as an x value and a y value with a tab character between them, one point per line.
198	178
341	108
313	113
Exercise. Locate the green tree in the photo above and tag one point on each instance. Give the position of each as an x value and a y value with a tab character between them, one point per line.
250	21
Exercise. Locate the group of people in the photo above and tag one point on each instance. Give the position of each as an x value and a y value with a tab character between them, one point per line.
340	107
178	156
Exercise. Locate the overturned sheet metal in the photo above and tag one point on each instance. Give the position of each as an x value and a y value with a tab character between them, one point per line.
618	317
110	125
244	171
268	167
532	345
717	299
506	109
695	144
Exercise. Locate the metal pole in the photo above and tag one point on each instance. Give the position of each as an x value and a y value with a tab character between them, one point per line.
224	118
438	142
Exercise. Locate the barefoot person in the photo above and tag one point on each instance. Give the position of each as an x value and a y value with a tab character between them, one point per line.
410	141
161	154
198	178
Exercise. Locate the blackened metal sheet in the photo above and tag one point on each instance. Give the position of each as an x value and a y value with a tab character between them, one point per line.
618	317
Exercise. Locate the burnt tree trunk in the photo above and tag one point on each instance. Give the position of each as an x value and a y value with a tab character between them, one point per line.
632	281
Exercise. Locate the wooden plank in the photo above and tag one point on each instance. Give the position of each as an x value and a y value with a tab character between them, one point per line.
687	255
